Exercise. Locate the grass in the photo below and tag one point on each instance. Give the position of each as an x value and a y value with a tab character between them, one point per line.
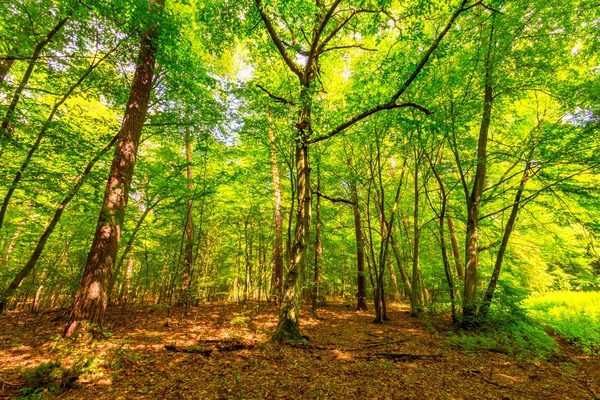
572	315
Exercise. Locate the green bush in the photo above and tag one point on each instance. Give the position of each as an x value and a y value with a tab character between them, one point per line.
508	329
572	315
50	376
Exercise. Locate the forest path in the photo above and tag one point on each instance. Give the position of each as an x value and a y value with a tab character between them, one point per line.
349	358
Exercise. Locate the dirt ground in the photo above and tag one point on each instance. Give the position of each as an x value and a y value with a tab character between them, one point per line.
348	359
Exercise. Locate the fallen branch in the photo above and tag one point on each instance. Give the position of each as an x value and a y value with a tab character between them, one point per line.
188	350
371	345
404	356
495	383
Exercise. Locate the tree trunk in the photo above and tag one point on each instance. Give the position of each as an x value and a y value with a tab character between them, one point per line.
318	249
92	295
460	272
403	274
361	295
393	282
417	290
189	227
474	202
277	276
288	328
510	224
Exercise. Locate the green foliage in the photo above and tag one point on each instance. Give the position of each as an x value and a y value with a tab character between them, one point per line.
240	320
572	315
51	376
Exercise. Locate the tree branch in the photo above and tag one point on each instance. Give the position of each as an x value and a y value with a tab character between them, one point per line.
356	46
293	67
276	98
340	128
332	199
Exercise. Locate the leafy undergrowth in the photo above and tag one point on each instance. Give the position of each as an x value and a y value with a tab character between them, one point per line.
223	352
572	315
505	333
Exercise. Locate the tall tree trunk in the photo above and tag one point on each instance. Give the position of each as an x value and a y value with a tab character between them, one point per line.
393	282
189	227
510	224
92	295
460	272
361	294
417	290
277	276
41	243
399	261
288	327
318	248
474	200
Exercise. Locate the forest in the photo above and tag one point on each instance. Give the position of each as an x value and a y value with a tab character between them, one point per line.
296	199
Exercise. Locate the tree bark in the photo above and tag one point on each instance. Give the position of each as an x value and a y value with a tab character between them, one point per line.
361	295
92	295
318	249
417	290
460	272
288	327
405	278
189	228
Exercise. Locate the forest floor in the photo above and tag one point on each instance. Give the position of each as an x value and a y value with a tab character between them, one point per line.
349	358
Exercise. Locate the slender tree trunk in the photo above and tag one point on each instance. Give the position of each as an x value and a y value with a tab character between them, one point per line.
277	276
189	227
288	327
460	272
393	282
417	289
474	201
399	261
92	295
510	224
247	257
41	244
318	249
361	295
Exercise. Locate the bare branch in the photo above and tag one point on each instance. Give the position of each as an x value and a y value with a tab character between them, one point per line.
340	128
276	98
350	46
332	199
